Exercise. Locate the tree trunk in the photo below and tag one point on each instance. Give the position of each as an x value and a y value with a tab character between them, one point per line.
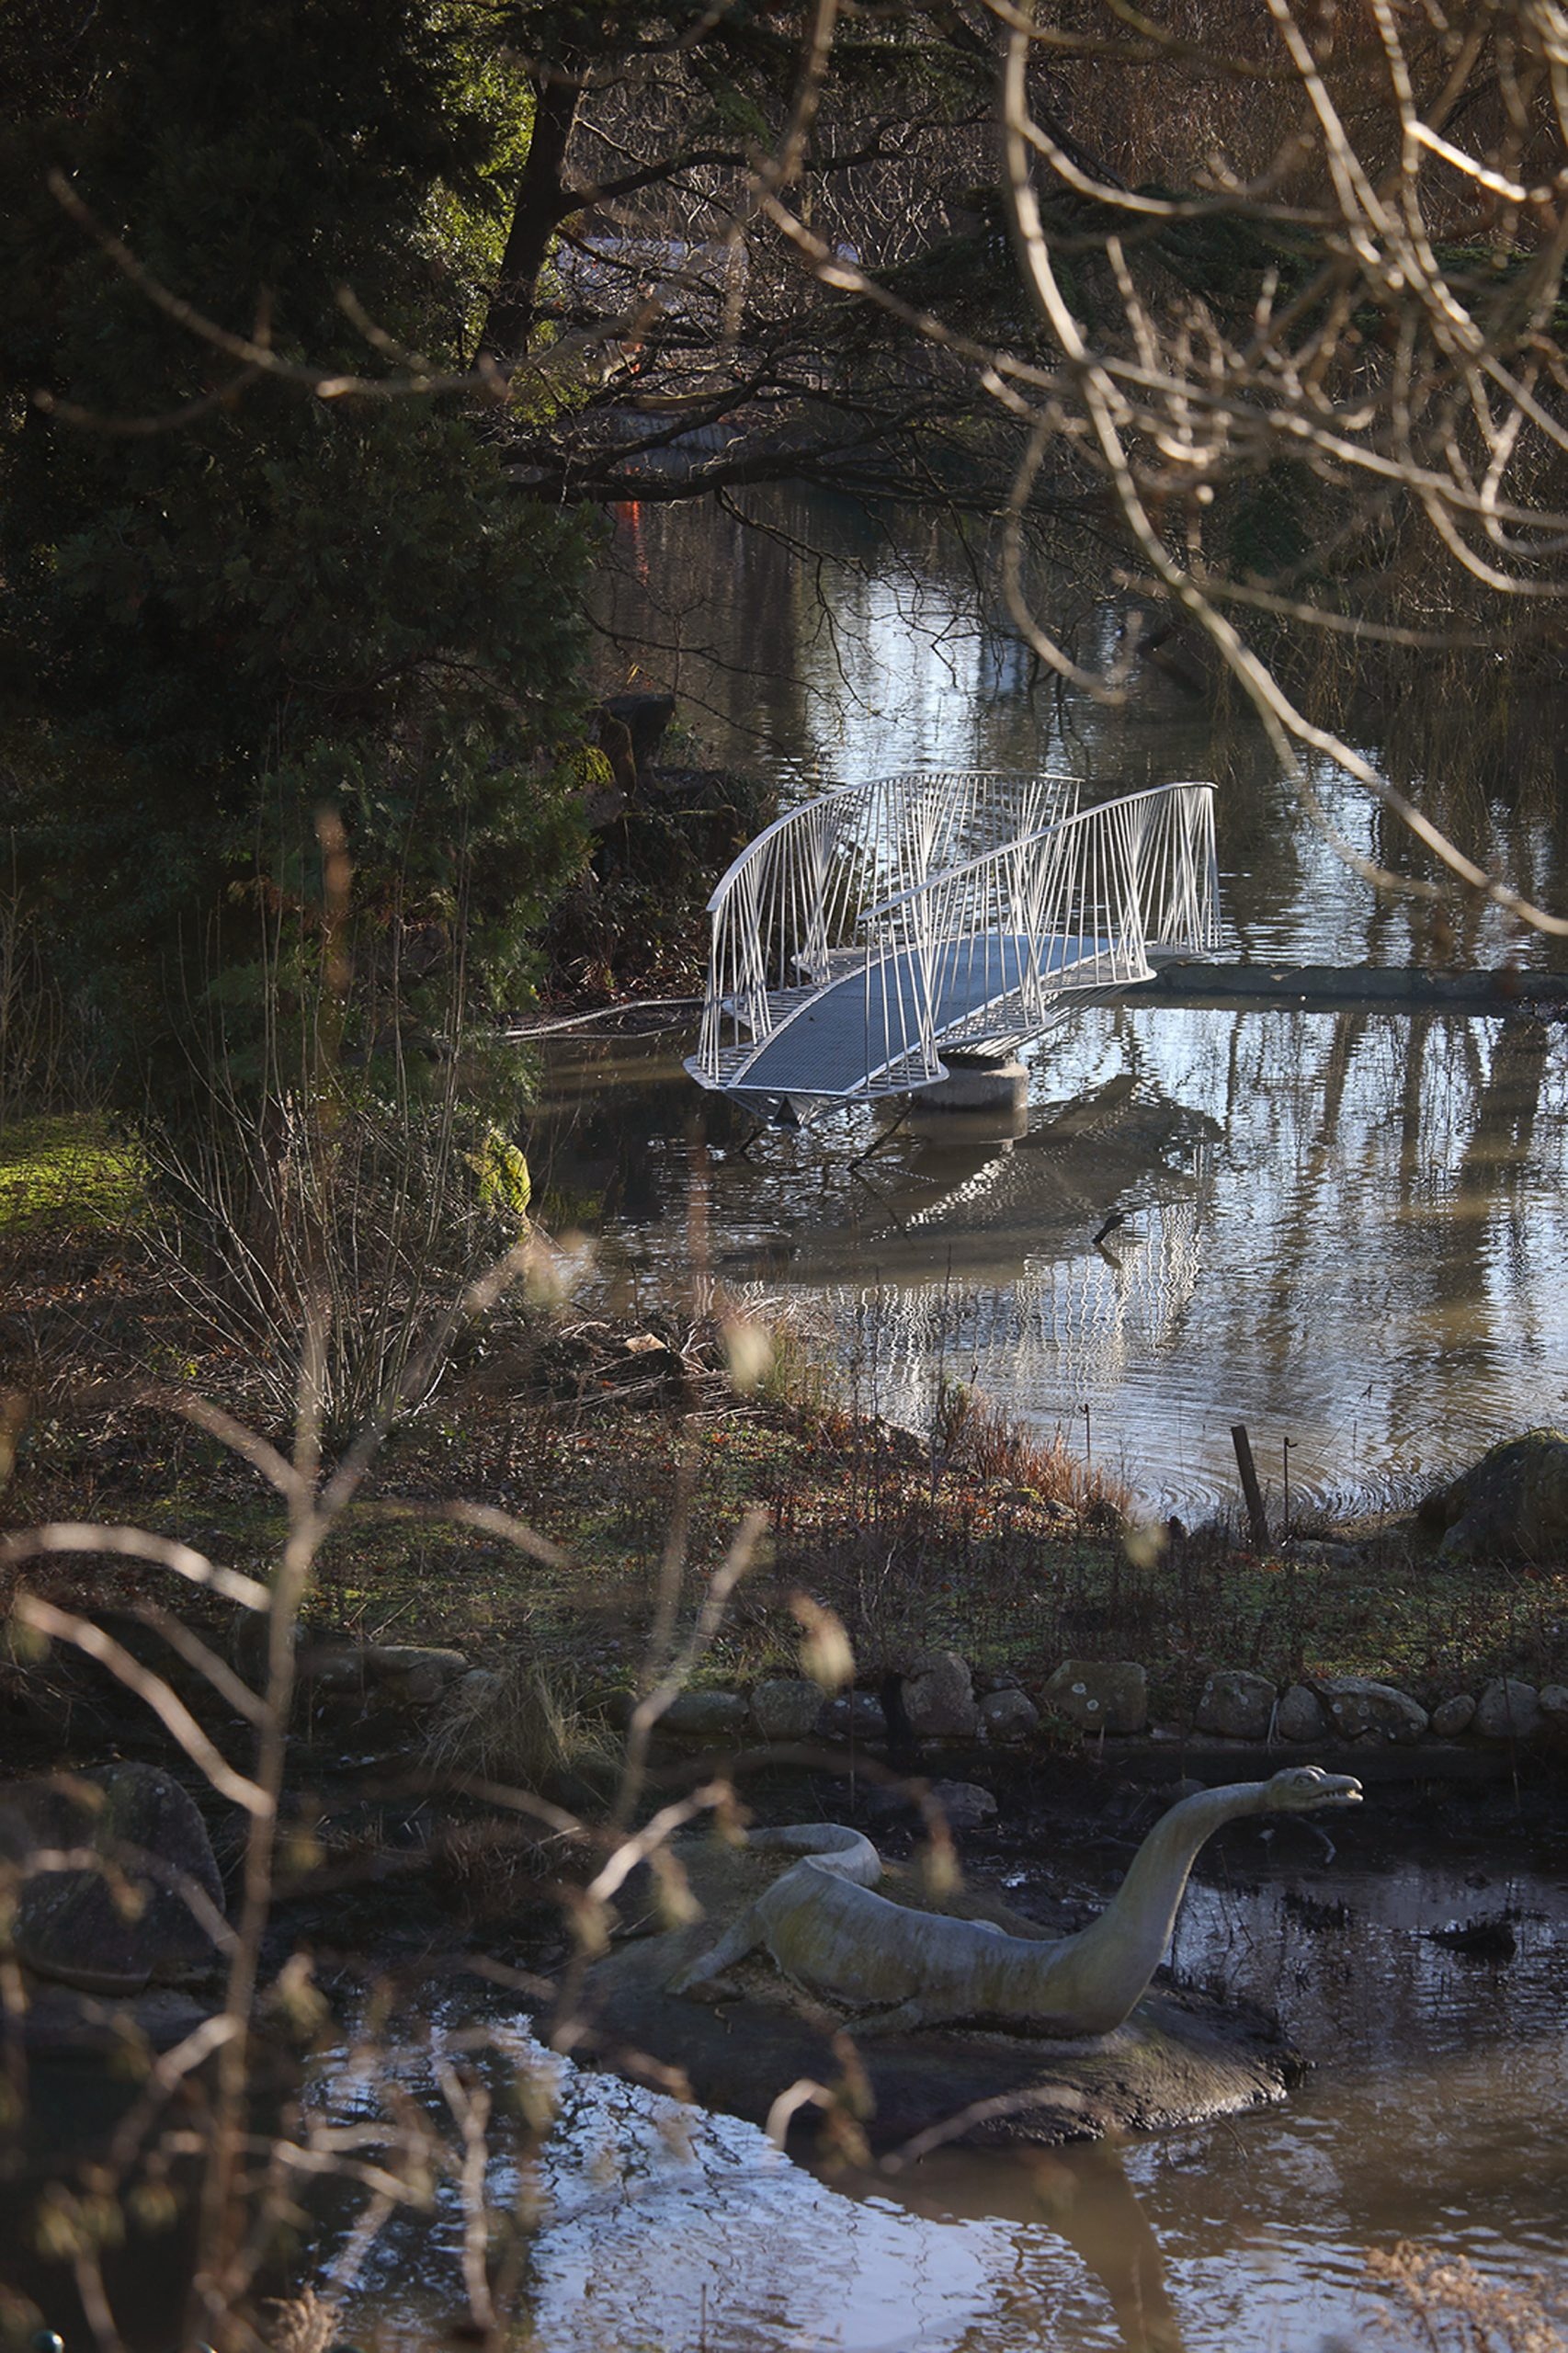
542	202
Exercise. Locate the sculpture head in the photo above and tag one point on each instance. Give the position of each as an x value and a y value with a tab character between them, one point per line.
1300	1788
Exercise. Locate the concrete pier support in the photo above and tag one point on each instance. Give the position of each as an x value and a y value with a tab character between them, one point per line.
982	1082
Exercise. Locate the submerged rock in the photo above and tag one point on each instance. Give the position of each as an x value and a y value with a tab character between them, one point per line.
133	1916
1511	1505
1109	1695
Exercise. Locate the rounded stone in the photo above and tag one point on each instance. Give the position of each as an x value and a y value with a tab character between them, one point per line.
706	1715
1511	1505
1301	1715
1358	1706
1507	1710
481	1688
1450	1717
1008	1715
393	1659
76	1927
1236	1705
853	1716
964	1804
939	1700
1554	1713
413	1673
786	1707
1099	1695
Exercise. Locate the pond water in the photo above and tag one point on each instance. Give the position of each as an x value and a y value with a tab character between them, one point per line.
1344	1228
1436	2112
1347	1229
1349	1232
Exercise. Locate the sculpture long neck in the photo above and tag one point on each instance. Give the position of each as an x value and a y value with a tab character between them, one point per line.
1113	1958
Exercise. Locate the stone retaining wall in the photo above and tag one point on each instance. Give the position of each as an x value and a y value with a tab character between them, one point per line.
939	1700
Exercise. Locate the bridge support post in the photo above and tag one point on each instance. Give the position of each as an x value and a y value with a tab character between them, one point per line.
981	1082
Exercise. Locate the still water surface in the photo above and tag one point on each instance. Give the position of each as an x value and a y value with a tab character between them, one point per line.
1437	2111
1349	1231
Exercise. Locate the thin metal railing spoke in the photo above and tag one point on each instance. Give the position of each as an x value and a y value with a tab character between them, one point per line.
950	901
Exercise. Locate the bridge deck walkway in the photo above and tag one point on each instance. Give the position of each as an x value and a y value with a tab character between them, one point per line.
869	1021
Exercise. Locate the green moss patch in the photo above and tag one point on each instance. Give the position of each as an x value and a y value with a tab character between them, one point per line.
70	1171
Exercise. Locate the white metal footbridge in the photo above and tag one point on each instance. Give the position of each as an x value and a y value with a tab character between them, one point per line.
868	931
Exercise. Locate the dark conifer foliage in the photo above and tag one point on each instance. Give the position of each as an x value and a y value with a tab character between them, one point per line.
226	606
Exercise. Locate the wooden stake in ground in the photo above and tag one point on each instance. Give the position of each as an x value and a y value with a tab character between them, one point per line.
1257	1518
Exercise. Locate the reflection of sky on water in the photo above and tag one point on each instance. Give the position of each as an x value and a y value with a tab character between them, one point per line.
886	648
1347	1229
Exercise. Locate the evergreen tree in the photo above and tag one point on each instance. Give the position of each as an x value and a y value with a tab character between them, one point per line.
226	605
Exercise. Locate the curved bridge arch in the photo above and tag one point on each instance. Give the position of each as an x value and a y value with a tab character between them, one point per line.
866	932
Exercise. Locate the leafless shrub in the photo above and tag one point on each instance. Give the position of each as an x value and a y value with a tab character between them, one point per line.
1448	2305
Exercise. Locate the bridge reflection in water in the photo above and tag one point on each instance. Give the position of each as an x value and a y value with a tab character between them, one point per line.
973	1250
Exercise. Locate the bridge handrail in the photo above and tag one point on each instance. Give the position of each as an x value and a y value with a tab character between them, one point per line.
792	899
805	812
1062	825
1073	902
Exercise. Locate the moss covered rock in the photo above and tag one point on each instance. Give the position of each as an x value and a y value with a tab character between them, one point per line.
1511	1505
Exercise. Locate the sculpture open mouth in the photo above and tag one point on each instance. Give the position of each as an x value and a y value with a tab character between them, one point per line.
1334	1789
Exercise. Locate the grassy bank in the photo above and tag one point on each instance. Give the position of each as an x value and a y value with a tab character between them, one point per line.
629	1445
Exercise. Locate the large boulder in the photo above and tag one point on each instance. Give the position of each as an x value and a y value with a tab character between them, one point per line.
1357	1706
141	1911
938	1698
1099	1695
1236	1705
1511	1505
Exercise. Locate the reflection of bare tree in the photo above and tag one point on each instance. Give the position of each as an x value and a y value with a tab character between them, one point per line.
1085	1316
1499	1142
1347	299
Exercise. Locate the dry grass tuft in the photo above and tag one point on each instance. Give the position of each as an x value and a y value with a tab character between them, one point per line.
518	1723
